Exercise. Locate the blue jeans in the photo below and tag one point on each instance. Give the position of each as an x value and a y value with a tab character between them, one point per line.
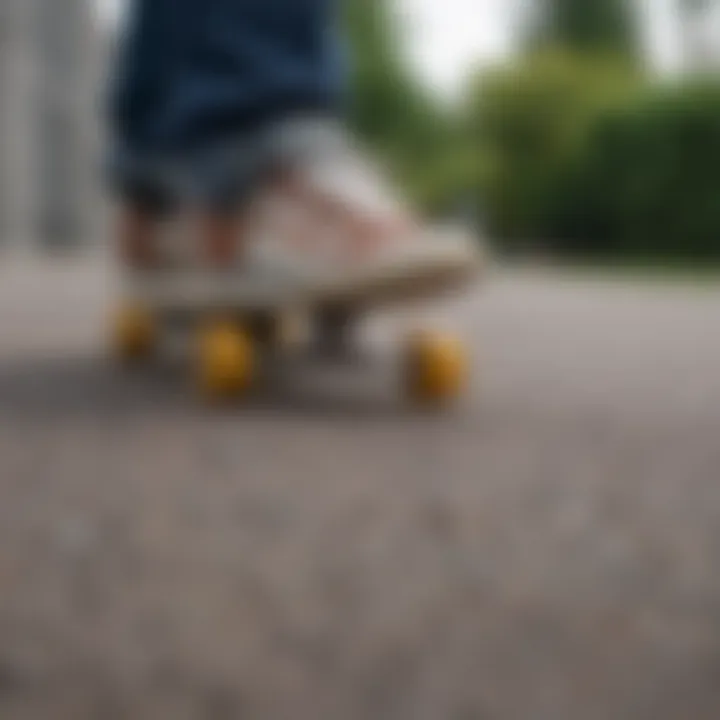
198	80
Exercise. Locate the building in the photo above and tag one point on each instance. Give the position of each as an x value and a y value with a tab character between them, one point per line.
49	65
17	55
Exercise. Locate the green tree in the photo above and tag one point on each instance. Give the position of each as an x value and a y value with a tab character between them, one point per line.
597	26
530	122
647	184
391	109
387	104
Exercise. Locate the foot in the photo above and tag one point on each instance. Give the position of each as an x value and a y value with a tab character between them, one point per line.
329	226
326	230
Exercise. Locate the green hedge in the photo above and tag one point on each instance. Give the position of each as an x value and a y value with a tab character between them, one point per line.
648	183
593	161
530	123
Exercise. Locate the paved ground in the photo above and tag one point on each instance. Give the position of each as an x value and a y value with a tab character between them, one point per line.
548	551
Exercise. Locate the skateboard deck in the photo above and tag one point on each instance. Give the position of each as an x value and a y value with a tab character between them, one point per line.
236	322
191	294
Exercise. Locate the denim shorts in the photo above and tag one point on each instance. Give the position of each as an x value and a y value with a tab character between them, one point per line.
189	73
216	178
219	177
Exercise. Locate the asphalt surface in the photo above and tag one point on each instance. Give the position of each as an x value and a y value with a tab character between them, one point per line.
550	549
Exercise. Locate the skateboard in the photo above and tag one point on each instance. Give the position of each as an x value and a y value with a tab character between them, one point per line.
233	328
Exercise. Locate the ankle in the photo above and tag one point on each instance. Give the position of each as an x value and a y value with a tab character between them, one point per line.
220	241
221	255
137	235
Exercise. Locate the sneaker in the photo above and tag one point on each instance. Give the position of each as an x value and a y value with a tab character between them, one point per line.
326	229
329	227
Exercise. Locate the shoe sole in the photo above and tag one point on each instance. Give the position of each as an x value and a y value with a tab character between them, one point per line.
181	296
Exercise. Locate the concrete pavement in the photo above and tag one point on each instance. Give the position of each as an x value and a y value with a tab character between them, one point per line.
548	550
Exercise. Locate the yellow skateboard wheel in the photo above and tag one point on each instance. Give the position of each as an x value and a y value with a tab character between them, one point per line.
437	367
226	360
134	333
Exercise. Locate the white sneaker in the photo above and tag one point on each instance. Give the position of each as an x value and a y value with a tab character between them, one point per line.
331	228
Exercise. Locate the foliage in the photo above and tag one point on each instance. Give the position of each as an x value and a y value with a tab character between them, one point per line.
391	110
566	144
596	161
586	26
647	184
529	123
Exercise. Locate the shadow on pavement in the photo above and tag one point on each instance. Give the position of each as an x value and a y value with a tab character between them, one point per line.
90	386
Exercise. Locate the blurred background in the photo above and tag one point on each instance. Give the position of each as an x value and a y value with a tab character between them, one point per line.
563	127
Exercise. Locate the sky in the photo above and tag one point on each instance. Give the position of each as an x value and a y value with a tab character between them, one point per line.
449	38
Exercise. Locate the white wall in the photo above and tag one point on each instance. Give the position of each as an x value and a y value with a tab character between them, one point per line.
49	74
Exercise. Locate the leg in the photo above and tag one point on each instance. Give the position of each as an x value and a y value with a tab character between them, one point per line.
144	203
221	238
137	230
134	332
260	84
